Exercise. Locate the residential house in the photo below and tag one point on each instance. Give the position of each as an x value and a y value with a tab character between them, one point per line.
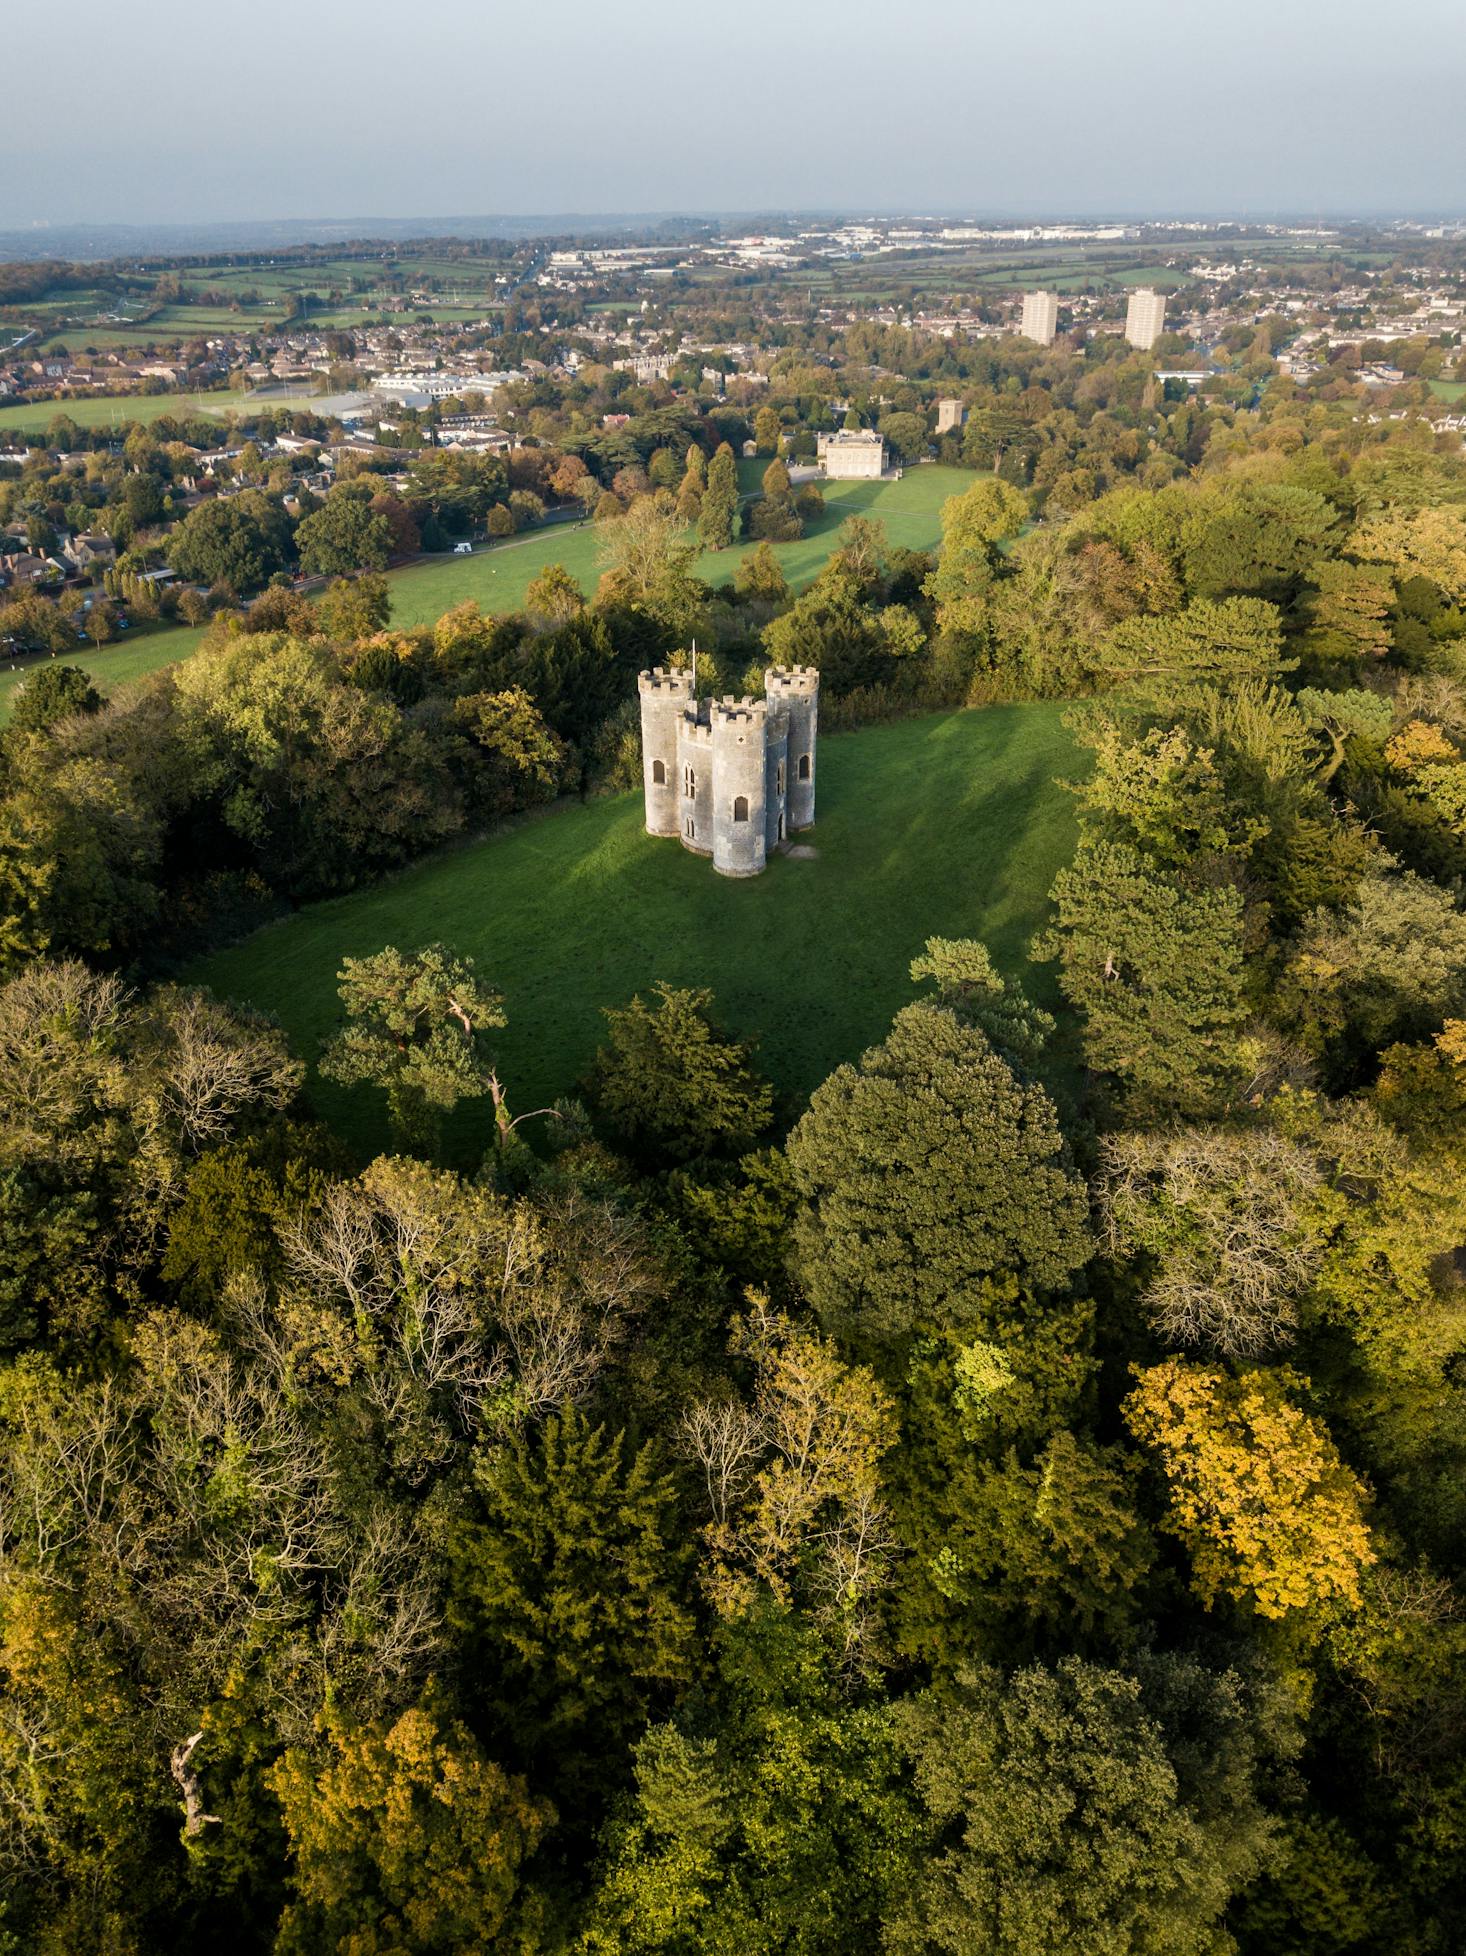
25	567
89	551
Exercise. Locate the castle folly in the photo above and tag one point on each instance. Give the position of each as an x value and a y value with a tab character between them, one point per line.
732	778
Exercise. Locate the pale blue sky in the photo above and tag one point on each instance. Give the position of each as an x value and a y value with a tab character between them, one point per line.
162	110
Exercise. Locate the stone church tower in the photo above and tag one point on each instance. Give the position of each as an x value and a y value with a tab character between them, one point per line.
733	779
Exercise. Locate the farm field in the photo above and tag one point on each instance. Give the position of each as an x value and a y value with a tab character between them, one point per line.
1013	268
1164	276
952	824
497	578
346	291
129	657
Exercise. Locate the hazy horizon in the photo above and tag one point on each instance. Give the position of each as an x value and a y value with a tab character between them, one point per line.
1276	108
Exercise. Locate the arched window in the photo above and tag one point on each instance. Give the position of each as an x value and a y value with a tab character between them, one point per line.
740	808
804	767
689	783
659	772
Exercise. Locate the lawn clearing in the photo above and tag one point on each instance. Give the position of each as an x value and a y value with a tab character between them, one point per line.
106	410
134	654
497	578
951	824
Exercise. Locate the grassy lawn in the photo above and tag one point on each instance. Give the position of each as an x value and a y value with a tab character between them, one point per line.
97	410
1156	275
134	654
1448	390
951	824
497	578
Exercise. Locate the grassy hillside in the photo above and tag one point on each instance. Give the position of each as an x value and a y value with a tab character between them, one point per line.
128	658
498	578
951	824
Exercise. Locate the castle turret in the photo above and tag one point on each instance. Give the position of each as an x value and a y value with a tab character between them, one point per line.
739	786
797	690
665	698
695	778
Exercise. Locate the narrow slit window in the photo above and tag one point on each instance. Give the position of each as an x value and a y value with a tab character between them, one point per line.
659	772
740	808
804	767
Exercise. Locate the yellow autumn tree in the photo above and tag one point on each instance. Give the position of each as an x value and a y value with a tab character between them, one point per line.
1417	745
1268	1512
1433	772
405	1839
1417	543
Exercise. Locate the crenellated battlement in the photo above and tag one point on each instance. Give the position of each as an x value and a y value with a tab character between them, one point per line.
742	714
670	682
802	682
693	726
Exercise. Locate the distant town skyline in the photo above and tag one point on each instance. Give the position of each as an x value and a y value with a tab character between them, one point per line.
667	110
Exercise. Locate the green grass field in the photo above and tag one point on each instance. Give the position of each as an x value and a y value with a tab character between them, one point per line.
98	410
129	657
952	824
497	578
103	317
1449	390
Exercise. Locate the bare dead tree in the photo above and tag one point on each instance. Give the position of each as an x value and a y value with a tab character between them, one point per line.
1232	1221
727	1439
180	1762
214	1061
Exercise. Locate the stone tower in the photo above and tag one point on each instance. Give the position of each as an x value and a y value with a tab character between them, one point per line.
665	697
732	778
740	786
797	690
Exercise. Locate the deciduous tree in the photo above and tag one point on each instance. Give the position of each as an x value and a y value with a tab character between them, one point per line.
416	1026
345	534
1062	1815
405	1840
1267	1511
792	1482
